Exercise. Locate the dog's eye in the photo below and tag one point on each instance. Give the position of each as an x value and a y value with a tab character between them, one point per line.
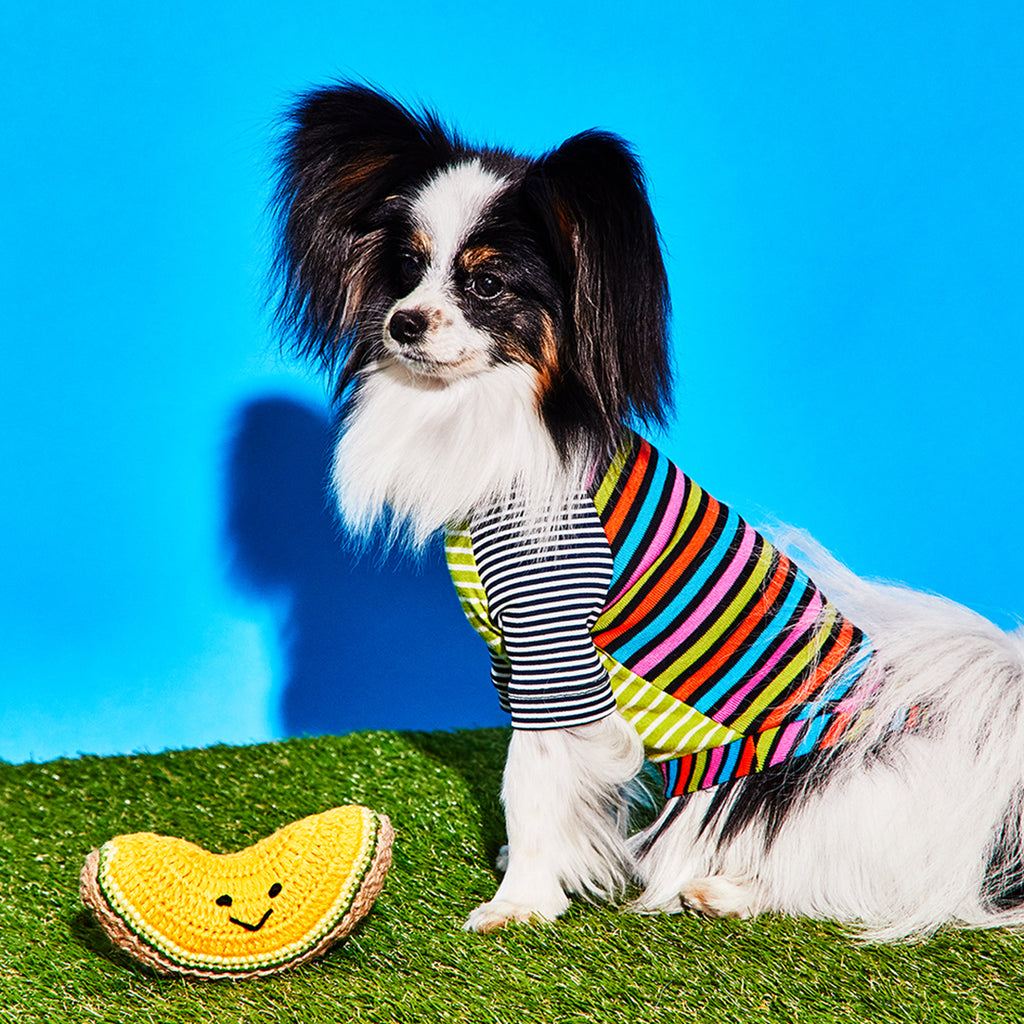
410	266
487	285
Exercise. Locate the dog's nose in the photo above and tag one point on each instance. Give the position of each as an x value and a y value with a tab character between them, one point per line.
408	326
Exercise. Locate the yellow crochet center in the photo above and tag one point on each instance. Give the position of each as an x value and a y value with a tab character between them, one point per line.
264	905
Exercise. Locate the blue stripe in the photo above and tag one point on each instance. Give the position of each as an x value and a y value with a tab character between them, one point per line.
647	514
815	727
671	769
732	756
838	687
669	615
771	634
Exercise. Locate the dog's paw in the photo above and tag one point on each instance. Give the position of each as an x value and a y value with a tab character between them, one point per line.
721	896
490	917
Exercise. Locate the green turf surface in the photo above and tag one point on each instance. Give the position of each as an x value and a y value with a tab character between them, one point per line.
409	960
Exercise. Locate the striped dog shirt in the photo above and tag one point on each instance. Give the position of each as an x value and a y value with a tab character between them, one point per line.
652	597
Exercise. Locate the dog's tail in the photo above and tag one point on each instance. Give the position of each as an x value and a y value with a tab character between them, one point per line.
948	811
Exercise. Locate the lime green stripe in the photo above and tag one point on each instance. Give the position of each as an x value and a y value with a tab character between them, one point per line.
608	617
763	749
807	654
694	733
666	721
469	587
697	772
669	727
723	624
611	478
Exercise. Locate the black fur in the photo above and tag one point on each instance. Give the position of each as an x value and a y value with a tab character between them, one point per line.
348	149
762	800
1003	885
591	194
767	797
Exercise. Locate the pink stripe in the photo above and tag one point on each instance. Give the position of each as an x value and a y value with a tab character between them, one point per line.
798	631
854	702
662	537
789	735
864	689
720	589
714	763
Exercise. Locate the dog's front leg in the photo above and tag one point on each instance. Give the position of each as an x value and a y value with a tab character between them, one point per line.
536	807
564	800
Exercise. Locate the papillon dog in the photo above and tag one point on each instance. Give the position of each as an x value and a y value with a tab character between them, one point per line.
495	330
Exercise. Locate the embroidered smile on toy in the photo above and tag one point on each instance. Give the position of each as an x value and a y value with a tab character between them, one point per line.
283	901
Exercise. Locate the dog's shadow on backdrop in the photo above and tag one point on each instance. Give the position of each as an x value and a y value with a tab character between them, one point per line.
368	642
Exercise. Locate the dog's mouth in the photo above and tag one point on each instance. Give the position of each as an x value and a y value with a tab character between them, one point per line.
424	365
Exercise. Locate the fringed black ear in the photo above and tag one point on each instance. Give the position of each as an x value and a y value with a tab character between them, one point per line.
347	150
591	194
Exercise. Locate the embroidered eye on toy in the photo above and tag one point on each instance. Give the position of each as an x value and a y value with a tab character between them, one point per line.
182	910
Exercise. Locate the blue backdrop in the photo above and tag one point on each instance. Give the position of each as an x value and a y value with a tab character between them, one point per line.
840	191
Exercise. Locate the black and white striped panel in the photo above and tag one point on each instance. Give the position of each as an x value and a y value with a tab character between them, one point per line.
545	594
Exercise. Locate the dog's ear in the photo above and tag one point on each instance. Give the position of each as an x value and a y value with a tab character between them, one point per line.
347	149
592	196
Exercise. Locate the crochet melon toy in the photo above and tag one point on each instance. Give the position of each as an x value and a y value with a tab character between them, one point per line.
283	901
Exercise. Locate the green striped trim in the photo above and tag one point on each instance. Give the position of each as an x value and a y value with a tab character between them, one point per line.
668	727
458	550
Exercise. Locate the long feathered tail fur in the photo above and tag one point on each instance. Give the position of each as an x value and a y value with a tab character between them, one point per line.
911	828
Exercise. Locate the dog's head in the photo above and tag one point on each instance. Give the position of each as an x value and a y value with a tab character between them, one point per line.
398	242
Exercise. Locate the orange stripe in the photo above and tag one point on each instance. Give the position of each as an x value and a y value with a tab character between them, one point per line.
746	759
685	774
629	492
679	565
821	674
736	638
836	729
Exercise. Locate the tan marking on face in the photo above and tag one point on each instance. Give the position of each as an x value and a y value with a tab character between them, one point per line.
420	241
546	363
547	367
477	256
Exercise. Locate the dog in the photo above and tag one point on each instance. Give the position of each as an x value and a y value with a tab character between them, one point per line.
495	330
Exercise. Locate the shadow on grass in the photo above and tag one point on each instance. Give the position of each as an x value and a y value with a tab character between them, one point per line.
478	756
86	931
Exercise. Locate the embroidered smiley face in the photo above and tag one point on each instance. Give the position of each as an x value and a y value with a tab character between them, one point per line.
226	900
278	902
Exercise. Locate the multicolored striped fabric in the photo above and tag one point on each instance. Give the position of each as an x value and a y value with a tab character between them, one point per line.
722	654
708	612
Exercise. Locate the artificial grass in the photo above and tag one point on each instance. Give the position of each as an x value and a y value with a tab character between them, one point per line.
409	961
